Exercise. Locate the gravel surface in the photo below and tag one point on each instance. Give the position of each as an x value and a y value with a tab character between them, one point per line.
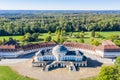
26	69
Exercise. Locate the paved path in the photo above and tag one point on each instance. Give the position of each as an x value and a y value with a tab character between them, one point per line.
11	61
17	60
99	59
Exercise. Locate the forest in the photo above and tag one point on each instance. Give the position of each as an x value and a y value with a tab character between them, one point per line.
14	24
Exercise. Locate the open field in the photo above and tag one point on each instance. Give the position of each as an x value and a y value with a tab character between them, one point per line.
87	38
6	73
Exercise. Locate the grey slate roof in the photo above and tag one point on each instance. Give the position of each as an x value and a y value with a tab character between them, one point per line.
59	49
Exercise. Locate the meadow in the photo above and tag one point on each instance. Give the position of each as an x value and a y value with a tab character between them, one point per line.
6	73
87	38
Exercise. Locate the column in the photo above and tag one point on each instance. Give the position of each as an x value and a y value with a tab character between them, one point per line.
86	63
57	64
82	64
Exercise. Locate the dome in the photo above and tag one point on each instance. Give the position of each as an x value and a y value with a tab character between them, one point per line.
59	50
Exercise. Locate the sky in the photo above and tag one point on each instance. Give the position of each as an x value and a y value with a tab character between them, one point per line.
59	4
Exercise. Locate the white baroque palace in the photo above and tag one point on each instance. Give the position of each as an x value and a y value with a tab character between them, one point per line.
59	56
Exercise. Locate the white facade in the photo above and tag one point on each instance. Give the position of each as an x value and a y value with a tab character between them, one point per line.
107	54
11	54
83	48
101	53
64	58
57	55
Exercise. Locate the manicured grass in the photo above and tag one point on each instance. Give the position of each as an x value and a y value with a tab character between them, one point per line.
105	34
87	38
7	37
6	73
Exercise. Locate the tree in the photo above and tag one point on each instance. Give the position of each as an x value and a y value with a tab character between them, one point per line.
10	39
108	73
81	40
24	43
117	62
82	34
95	42
64	32
117	42
35	36
42	23
53	40
4	40
97	35
70	34
49	32
113	37
58	38
1	42
29	38
48	39
62	39
93	33
117	66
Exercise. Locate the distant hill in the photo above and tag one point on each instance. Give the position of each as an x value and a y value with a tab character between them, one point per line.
7	12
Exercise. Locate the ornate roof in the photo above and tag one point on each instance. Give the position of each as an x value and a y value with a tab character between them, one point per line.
59	50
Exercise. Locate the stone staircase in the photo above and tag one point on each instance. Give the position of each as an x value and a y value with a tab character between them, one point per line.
73	66
56	64
50	65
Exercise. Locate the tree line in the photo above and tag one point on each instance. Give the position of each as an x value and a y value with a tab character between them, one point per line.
42	23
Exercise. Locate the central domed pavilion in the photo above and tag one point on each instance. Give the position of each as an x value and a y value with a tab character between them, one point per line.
59	56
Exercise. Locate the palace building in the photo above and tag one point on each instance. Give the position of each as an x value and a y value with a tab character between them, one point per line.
59	56
108	49
12	50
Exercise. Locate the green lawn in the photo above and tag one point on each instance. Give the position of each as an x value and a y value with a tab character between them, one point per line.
6	73
87	38
7	37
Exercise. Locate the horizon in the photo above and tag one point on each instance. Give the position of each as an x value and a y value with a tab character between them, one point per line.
59	5
51	10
